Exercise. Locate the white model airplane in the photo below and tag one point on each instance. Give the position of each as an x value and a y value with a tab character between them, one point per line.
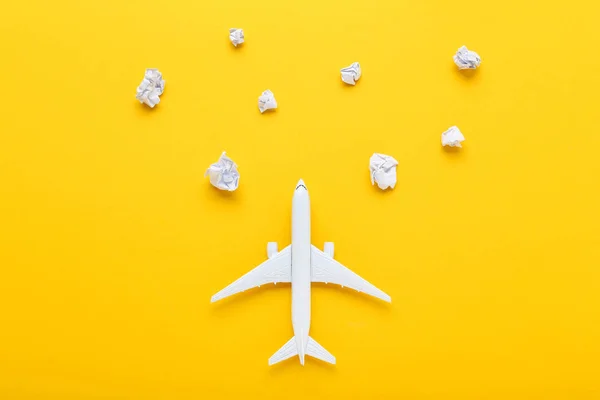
301	263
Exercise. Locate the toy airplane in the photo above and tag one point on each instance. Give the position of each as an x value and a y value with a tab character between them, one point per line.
301	263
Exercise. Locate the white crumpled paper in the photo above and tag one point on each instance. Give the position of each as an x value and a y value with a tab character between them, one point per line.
151	87
236	36
383	170
351	73
466	59
266	101
224	174
452	137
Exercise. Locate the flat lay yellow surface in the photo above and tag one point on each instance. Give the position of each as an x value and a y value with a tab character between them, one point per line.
112	241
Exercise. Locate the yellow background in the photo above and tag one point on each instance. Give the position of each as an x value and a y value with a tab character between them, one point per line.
112	241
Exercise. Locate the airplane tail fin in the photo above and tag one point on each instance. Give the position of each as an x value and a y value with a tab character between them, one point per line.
313	349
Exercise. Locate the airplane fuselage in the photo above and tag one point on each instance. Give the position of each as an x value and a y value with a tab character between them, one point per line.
301	278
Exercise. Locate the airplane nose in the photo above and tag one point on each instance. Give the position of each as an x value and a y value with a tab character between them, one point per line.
301	185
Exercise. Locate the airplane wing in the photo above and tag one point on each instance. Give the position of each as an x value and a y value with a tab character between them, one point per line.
274	270
325	269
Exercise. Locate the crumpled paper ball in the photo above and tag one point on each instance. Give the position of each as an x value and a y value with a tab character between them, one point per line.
266	101
224	174
351	73
383	170
151	87
236	36
466	59
452	137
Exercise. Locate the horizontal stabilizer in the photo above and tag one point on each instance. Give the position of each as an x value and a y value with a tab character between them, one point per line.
315	350
286	351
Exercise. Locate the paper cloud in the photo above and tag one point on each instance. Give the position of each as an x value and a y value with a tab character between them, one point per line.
466	59
236	36
224	174
151	88
452	137
383	170
351	73
266	101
